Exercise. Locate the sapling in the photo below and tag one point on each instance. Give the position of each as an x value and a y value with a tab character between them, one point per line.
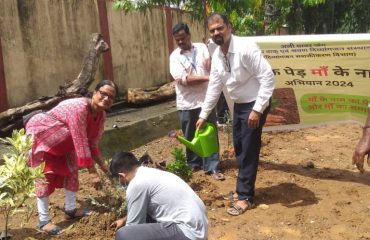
16	177
179	166
112	200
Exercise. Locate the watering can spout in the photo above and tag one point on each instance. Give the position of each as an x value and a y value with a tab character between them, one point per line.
205	141
192	145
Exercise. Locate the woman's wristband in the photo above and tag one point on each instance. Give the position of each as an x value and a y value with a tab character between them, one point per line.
367	126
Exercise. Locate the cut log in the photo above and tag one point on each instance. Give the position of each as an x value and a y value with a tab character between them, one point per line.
143	96
12	118
91	63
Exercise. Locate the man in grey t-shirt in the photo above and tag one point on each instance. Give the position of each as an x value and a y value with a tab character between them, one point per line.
160	205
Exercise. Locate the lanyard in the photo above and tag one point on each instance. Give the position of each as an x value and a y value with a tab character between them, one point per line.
193	61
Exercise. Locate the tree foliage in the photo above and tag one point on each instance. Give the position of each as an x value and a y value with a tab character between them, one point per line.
260	17
338	16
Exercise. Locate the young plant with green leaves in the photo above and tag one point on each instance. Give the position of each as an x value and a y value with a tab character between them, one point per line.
112	200
179	166
16	177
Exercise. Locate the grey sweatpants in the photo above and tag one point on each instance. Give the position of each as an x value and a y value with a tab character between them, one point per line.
151	231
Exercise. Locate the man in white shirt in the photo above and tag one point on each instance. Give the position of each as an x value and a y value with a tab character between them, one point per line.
189	66
238	65
363	146
221	106
160	205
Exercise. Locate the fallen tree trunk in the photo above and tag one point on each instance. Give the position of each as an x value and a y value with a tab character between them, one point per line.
12	118
142	96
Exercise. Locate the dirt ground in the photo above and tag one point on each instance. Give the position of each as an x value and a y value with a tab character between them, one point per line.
306	189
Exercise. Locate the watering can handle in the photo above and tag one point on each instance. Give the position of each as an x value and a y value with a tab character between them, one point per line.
196	132
200	130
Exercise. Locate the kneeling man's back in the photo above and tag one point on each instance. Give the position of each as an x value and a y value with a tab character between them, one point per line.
160	205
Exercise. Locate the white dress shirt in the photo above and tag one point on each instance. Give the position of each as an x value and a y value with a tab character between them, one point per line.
244	72
212	46
185	63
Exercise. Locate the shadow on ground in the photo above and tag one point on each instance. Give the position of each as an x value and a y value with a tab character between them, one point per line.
319	173
287	194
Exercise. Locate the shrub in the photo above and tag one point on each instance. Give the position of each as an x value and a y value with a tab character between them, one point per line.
179	166
16	178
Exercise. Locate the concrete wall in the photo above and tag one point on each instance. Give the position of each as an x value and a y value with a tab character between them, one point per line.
196	27
140	46
44	43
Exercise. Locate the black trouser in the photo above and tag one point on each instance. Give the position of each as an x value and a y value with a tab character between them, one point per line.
247	144
221	109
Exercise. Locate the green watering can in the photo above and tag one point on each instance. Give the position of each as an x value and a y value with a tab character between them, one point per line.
204	143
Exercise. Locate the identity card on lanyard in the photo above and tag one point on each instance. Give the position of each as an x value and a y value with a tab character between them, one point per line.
192	60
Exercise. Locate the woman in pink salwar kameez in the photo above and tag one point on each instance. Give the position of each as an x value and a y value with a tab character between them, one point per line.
66	139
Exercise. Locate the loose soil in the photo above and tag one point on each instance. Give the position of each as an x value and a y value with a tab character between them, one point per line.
306	188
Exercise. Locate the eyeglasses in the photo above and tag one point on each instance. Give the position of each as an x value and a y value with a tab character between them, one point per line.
106	95
227	64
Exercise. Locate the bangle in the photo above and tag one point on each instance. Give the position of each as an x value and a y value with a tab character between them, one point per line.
367	126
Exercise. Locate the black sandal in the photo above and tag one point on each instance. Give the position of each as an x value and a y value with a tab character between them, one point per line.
56	230
72	214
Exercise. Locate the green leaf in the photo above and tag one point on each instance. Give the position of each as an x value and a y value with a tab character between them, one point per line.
179	166
17	179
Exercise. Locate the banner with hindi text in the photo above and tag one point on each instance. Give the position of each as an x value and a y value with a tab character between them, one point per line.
319	78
